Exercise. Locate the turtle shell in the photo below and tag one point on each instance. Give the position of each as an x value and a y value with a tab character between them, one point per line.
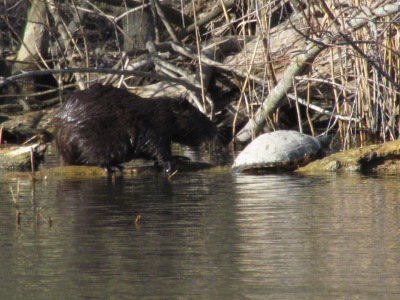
283	150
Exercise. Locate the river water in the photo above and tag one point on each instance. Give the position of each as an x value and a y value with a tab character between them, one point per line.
202	236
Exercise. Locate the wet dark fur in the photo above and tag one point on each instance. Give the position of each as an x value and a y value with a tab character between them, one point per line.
107	126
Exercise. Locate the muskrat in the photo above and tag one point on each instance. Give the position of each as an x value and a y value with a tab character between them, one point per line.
107	126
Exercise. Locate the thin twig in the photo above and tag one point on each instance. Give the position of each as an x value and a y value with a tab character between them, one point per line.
14	78
323	111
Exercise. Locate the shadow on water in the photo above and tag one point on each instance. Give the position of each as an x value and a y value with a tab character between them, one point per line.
208	236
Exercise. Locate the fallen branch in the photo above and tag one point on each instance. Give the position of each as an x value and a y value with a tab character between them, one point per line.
14	78
277	95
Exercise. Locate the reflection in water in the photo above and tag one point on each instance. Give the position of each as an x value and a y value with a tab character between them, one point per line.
318	236
201	235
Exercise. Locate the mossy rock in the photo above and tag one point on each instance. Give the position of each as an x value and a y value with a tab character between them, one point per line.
82	172
374	158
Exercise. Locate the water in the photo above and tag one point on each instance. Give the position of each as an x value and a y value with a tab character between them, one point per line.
203	236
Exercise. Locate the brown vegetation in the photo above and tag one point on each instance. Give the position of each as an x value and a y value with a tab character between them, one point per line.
314	66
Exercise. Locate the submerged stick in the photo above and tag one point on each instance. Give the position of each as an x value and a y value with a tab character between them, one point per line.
15	198
39	216
32	162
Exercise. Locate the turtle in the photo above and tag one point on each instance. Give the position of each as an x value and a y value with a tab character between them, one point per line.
282	150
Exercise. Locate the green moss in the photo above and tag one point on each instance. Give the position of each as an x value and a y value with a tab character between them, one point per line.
373	158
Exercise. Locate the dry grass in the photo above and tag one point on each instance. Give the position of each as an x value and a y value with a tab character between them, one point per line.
355	76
